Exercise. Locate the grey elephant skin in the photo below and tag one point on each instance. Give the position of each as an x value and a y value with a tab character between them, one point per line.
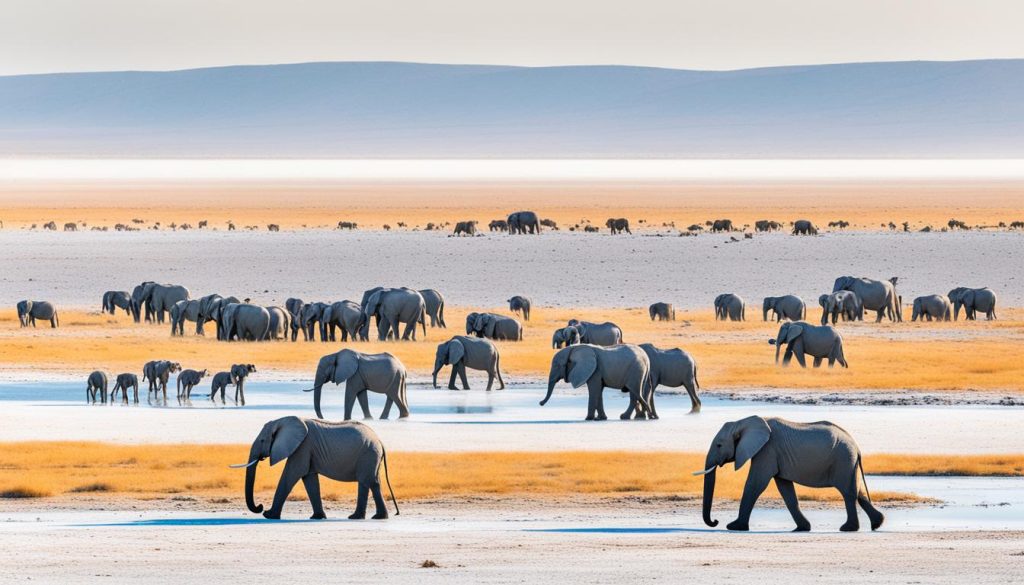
785	307
117	299
523	222
96	384
158	372
804	227
673	368
123	382
313	317
347	316
568	335
394	307
294	308
730	307
662	311
973	300
462	352
467	228
184	311
800	338
348	451
434	302
606	334
158	299
245	322
520	305
875	295
618	225
29	311
844	303
187	380
932	307
280	322
494	326
211	308
624	367
235	377
362	372
816	455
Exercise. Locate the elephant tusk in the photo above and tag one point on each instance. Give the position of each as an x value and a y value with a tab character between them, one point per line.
705	472
244	465
309	389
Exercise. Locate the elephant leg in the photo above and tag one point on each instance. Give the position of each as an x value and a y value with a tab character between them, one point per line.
817	362
691	389
850	499
490	379
877	518
752	490
311	481
361	496
410	331
387	407
350	398
596	388
798	352
364	404
284	487
378	501
788	356
451	379
628	413
497	372
462	375
788	493
880	314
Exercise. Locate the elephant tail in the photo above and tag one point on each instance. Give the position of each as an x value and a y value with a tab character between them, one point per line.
440	315
696	383
860	466
384	458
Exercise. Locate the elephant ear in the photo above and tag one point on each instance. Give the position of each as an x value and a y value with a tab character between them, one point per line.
491	324
794	332
750	435
584	364
456	351
288	434
372	303
345	366
478	322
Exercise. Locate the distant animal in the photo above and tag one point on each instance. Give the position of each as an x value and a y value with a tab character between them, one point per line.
785	307
662	311
158	372
843	303
764	225
1017	225
188	379
50	225
520	305
461	352
875	295
523	222
71	227
549	223
347	225
931	307
973	300
29	311
96	384
202	224
498	225
721	225
591	229
673	368
494	326
433	302
605	334
617	225
730	307
804	227
123	382
465	228
623	367
695	228
235	377
841	224
800	337
273	227
957	224
116	299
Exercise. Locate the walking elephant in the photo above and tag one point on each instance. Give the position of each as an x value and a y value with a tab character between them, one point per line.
818	454
875	295
183	311
520	305
29	311
362	372
730	307
820	342
461	352
785	307
434	302
721	225
662	312
605	334
96	384
624	367
117	299
973	300
294	308
804	227
494	326
347	316
523	222
246	322
235	377
673	368
159	298
158	372
498	225
348	451
123	382
467	228
843	303
187	380
394	307
618	225
931	307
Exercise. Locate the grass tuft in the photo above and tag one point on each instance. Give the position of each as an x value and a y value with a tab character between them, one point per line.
21	492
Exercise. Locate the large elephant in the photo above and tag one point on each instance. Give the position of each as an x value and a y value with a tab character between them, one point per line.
29	311
158	372
279	324
494	326
606	333
245	321
673	368
804	227
380	372
96	384
820	342
523	222
467	228
568	335
137	305
117	299
348	451
294	307
765	225
843	303
394	307
347	316
973	300
123	382
434	302
722	225
625	367
875	295
818	454
461	352
662	312
931	307
730	307
211	309
159	298
312	318
617	225
520	305
183	311
785	307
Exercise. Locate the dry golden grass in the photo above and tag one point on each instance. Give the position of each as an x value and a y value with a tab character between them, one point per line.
39	469
730	356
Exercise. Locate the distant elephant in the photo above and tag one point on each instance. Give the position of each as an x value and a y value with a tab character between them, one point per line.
96	383
568	335
279	324
348	451
70	227
362	372
730	307
187	380
843	303
875	295
520	304
347	316
523	222
294	308
673	368
785	307
245	321
159	298
312	318
138	309
461	352
605	334
434	302
396	306
819	342
498	225
722	225
804	227
619	225
29	311
123	382
467	228
210	309
117	299
625	367
764	225
662	311
235	377
158	372
494	326
183	311
818	454
931	307
973	300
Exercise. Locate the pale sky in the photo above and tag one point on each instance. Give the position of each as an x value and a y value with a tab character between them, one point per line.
38	36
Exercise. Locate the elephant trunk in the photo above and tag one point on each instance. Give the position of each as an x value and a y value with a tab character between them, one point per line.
323	372
438	364
764	313
709	492
250	482
553	378
778	346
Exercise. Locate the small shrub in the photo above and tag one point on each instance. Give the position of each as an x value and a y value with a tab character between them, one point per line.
429	564
20	492
92	488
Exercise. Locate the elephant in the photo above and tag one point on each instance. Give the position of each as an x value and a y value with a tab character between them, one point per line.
568	335
247	322
123	382
461	352
311	318
211	309
841	303
498	225
722	225
662	311
183	311
523	222
673	368
804	227
117	299
820	342
393	307
520	305
785	307
188	379
159	298
730	307
467	228
875	295
236	377
294	307
617	226
97	382
347	316
29	311
818	454
764	225
493	326
348	451
137	305
279	324
157	372
625	367
930	307
973	300
380	372
434	302
606	333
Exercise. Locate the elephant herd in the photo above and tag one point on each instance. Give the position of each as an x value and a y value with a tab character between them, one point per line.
158	373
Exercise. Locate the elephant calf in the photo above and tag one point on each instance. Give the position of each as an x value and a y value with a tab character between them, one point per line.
187	380
802	338
673	368
97	383
931	307
29	311
236	377
123	382
463	352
